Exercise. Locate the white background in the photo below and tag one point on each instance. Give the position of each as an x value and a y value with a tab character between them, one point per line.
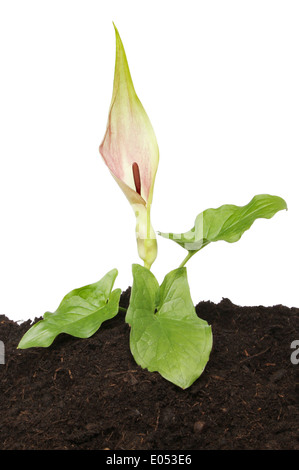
219	81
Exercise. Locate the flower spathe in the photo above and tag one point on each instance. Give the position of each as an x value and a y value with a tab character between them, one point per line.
130	151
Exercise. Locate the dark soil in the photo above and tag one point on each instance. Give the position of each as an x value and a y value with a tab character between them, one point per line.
90	394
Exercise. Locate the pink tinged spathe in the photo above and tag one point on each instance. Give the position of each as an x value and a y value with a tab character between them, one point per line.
130	151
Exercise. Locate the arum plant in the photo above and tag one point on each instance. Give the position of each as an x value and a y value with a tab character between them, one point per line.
130	151
166	334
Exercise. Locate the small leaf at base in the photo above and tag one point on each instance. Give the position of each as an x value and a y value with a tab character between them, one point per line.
80	314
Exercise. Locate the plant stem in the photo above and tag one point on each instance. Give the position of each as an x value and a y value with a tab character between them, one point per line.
189	255
147	265
122	309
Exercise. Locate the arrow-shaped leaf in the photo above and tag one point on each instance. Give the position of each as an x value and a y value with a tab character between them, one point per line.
80	314
227	222
166	334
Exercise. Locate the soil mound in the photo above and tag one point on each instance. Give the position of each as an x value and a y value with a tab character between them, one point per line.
90	393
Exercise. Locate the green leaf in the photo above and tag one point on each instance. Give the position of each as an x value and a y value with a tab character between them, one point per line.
227	222
166	334
80	314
